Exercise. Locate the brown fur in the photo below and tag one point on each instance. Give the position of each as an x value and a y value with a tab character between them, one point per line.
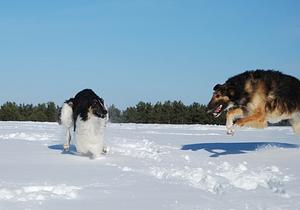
255	98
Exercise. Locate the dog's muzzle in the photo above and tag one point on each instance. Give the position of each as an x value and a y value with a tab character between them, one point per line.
102	114
217	111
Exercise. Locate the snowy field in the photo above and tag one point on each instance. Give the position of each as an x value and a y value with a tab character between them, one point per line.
150	167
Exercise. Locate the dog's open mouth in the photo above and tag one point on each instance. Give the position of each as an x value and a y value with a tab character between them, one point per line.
218	111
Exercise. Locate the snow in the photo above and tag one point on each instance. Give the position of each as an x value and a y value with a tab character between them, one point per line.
150	167
38	193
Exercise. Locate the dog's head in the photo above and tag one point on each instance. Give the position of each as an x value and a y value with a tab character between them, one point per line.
221	99
98	108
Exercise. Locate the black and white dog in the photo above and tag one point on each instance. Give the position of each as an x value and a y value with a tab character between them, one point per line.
87	114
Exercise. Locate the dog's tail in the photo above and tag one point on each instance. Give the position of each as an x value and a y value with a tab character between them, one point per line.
66	115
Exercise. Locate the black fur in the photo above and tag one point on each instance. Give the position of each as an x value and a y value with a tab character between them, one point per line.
85	100
257	97
285	88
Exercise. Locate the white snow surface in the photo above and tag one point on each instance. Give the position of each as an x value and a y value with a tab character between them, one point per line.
150	167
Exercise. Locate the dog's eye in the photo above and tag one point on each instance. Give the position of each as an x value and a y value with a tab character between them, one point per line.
94	103
217	96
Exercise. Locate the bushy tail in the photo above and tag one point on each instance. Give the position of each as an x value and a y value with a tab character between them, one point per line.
66	119
66	115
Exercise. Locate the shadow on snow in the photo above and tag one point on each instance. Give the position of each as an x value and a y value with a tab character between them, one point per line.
72	150
219	149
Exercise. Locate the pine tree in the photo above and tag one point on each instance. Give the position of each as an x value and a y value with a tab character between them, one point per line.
9	112
114	114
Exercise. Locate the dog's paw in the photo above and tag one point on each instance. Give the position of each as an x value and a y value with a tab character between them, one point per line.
105	150
231	130
66	147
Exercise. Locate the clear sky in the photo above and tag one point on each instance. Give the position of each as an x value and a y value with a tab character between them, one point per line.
132	50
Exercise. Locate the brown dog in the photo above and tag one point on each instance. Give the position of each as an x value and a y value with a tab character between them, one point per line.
254	98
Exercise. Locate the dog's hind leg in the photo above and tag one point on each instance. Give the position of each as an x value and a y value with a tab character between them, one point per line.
232	115
295	122
67	121
68	139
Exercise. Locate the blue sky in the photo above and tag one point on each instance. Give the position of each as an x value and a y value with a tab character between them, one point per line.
134	50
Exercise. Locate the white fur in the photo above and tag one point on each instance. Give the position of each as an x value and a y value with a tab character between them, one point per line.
295	121
230	126
90	135
67	120
66	115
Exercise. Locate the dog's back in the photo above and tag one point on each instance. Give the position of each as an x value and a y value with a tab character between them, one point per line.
280	91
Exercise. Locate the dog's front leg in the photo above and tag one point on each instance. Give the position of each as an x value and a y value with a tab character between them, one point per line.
255	120
231	115
68	138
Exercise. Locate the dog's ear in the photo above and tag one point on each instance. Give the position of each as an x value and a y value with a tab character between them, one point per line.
95	101
101	100
70	102
218	87
230	90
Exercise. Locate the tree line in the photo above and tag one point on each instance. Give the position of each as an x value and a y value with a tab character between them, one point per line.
169	112
45	112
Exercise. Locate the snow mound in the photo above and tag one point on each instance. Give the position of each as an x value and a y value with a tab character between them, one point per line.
145	149
182	134
194	177
223	177
27	136
170	165
39	192
241	177
150	166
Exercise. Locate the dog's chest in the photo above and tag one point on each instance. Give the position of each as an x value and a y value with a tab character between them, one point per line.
91	128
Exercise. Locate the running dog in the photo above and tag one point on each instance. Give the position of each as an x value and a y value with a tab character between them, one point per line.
87	114
254	98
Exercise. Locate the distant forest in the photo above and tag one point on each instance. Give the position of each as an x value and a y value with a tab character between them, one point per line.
46	112
169	112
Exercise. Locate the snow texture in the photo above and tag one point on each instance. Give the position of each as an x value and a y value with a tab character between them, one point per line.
150	167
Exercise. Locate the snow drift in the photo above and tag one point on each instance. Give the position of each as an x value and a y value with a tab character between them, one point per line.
150	167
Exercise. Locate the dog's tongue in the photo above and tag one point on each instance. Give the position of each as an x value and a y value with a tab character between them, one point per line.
218	109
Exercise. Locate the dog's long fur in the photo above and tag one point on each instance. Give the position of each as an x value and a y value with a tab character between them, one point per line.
254	98
87	114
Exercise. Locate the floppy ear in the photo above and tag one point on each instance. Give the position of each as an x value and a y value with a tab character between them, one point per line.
95	101
101	100
230	90
217	87
70	102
